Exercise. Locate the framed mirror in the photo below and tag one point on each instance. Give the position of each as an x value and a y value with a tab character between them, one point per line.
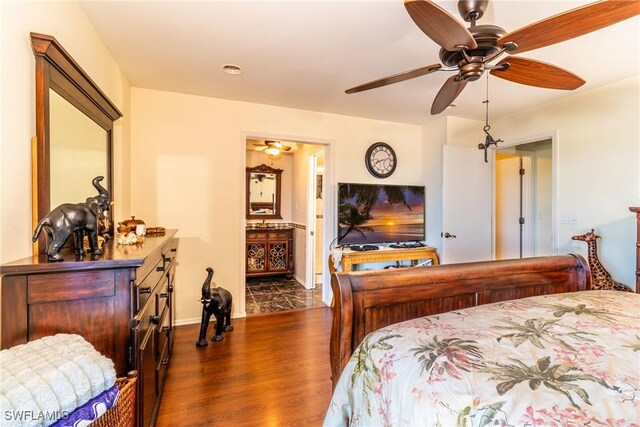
74	132
263	192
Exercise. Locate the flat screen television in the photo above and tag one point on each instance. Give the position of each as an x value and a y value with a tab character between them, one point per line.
376	213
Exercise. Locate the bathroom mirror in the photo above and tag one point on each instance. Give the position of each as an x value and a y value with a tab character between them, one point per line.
263	192
74	132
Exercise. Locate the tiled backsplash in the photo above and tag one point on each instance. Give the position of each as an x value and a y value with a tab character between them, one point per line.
281	225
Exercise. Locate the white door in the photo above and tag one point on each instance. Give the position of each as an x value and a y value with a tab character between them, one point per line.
467	200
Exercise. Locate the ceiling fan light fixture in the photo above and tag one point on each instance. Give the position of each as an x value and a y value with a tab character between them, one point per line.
272	151
471	50
231	69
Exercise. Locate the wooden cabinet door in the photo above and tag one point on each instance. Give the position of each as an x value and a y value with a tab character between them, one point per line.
278	256
256	257
145	341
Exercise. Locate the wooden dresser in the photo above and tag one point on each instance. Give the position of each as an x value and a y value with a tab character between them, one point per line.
636	210
269	252
122	303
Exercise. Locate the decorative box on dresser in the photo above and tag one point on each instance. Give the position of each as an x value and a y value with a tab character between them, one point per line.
637	212
121	302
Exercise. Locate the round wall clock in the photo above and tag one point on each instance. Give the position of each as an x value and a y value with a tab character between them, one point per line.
381	160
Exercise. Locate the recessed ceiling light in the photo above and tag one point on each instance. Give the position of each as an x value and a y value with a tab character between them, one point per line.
231	69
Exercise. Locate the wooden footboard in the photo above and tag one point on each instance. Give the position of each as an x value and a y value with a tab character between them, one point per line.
367	301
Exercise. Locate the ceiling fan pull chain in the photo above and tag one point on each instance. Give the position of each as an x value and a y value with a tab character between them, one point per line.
486	114
488	141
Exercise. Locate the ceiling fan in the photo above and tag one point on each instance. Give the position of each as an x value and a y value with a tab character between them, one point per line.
273	148
470	52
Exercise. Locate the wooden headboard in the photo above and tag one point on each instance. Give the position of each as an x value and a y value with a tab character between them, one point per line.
367	301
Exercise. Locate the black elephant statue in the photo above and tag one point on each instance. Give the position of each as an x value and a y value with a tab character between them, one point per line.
75	219
216	301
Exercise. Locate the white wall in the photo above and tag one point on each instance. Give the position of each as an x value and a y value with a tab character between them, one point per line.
598	132
300	203
188	160
598	166
66	22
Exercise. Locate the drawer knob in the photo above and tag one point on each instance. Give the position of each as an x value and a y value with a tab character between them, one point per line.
164	329
164	362
167	259
146	290
155	319
174	250
170	288
163	295
159	268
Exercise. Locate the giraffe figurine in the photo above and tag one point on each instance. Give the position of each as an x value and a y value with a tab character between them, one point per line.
600	277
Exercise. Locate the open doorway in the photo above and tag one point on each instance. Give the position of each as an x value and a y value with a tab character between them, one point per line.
279	254
524	200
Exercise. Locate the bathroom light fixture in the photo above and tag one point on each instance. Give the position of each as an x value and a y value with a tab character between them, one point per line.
272	151
231	69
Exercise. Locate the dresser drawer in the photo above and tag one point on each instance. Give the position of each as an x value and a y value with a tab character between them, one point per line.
61	287
147	287
256	235
163	331
154	275
279	235
162	297
143	320
169	253
162	366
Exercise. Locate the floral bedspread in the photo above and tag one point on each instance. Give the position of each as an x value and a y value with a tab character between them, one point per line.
554	360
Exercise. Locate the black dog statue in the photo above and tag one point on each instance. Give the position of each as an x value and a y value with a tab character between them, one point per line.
216	301
75	219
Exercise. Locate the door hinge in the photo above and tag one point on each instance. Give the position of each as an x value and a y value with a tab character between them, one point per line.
521	171
521	221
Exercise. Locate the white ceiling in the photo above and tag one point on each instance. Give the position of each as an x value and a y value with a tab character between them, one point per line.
304	54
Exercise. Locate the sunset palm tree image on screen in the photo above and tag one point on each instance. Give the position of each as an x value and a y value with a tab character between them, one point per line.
371	213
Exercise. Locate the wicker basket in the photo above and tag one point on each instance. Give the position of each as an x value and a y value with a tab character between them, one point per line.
123	413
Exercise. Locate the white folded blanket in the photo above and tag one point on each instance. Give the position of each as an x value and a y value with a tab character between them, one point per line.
45	379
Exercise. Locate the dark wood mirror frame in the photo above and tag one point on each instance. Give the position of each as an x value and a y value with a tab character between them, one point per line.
57	70
264	169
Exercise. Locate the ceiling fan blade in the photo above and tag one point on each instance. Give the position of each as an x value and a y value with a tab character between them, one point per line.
447	94
570	24
439	25
396	78
536	73
284	148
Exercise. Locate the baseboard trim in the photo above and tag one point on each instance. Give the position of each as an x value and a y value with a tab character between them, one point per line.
195	320
301	281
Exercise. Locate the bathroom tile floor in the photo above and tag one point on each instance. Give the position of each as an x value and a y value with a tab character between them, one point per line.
271	294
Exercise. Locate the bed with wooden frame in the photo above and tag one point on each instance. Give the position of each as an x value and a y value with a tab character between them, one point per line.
510	342
367	301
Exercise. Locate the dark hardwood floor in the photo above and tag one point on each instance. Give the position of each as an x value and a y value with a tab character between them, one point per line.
272	370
